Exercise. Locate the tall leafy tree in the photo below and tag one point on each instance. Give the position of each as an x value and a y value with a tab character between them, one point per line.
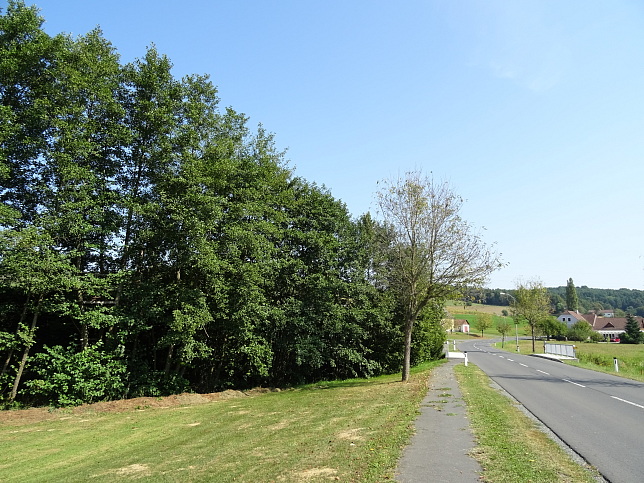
531	302
435	254
572	301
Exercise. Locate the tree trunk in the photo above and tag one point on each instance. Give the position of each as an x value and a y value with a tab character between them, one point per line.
168	361
23	315
409	325
25	354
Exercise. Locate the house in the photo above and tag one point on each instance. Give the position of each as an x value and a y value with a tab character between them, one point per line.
610	327
570	317
606	313
461	325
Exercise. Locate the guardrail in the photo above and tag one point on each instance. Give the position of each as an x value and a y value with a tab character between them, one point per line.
560	349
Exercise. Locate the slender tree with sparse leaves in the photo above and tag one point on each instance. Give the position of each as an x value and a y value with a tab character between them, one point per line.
434	253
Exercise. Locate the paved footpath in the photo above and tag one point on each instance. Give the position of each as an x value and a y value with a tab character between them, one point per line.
438	451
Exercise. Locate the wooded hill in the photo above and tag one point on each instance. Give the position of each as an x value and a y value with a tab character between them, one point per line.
153	243
624	300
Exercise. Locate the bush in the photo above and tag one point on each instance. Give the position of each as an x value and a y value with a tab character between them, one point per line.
428	337
580	331
69	378
596	337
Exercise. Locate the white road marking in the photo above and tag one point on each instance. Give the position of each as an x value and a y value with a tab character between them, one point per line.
511	360
576	384
521	364
543	372
628	402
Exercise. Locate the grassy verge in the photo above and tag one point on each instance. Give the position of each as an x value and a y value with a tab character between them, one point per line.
346	431
599	357
510	446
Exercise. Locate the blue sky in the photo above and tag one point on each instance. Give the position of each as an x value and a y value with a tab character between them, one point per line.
532	110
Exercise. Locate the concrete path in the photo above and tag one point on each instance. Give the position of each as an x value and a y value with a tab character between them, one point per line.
438	452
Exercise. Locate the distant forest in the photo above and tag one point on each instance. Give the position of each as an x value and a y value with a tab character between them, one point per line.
622	301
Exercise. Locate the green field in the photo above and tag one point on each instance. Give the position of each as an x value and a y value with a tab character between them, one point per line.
599	357
471	313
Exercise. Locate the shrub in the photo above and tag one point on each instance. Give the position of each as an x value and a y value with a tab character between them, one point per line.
66	377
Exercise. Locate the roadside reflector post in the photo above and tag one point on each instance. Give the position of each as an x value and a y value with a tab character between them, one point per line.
454	342
616	364
465	352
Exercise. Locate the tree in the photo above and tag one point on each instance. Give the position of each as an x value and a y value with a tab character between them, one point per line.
483	322
433	254
632	334
572	302
580	331
503	327
552	327
531	302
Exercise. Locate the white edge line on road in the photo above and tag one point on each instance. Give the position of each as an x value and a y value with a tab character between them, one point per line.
628	402
511	360
543	372
522	364
576	384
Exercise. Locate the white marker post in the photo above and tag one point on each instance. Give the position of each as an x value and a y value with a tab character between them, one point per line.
616	364
465	352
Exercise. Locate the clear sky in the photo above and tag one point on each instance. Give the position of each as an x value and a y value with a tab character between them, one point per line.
532	110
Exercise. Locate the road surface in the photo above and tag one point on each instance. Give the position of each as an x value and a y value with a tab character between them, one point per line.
601	417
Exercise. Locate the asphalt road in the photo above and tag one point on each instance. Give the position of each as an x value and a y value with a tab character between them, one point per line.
601	417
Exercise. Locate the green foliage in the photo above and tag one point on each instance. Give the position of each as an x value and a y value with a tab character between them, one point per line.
148	231
66	377
572	301
503	327
428	337
552	327
483	322
532	304
580	331
632	334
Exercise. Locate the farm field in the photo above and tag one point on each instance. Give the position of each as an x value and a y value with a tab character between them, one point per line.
471	313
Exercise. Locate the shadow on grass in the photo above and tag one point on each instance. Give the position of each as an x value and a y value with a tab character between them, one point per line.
386	379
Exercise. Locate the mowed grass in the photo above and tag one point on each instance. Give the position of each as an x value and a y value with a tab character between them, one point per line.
344	431
511	448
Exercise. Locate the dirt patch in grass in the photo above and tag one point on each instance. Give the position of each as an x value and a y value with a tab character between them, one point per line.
134	469
135	404
351	435
316	473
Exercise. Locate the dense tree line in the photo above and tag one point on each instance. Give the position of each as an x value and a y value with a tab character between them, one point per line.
152	242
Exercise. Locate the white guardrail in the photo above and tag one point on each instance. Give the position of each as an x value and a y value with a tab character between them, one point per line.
560	349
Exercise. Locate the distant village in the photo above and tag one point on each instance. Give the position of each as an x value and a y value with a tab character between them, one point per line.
603	322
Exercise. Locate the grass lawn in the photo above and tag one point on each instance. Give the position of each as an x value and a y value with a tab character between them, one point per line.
345	431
